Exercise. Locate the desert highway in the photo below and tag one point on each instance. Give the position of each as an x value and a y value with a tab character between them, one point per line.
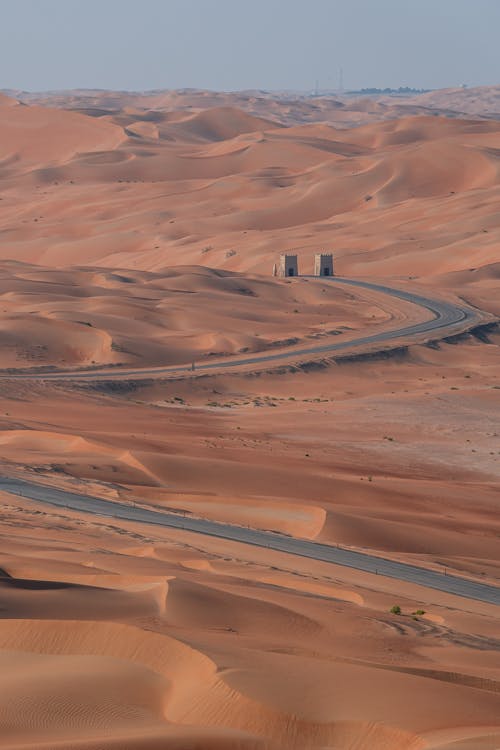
445	319
339	556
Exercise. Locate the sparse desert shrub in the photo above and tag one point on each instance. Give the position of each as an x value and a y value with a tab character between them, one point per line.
395	609
419	612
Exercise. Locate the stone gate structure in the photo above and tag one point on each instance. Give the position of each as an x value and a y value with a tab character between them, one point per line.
323	264
288	265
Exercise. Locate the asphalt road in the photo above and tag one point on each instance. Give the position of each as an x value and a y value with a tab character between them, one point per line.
339	556
446	318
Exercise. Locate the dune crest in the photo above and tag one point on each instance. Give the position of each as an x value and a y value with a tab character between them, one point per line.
139	234
31	135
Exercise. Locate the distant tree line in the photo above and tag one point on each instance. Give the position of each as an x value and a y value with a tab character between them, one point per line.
400	90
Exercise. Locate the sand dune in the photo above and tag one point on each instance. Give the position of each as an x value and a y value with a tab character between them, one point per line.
32	135
479	101
181	680
222	124
221	186
87	317
287	107
140	229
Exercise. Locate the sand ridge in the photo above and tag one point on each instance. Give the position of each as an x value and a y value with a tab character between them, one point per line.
165	685
91	317
141	229
386	195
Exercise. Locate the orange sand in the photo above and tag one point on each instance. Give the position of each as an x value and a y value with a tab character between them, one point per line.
141	231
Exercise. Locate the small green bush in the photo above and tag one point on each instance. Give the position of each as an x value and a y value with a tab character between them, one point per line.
395	610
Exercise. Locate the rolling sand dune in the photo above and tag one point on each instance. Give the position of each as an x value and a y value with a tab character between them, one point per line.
222	124
32	135
93	317
140	230
222	187
287	107
211	663
480	101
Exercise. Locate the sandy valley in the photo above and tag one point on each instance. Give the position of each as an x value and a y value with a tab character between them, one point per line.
139	231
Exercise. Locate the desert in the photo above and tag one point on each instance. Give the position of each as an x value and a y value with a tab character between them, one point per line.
149	358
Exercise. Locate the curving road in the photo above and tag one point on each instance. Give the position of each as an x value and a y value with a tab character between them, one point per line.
446	319
359	560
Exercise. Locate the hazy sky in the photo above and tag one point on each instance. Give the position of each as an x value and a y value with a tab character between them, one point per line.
238	44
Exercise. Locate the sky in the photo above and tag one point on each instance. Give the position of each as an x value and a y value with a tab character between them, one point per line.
248	44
